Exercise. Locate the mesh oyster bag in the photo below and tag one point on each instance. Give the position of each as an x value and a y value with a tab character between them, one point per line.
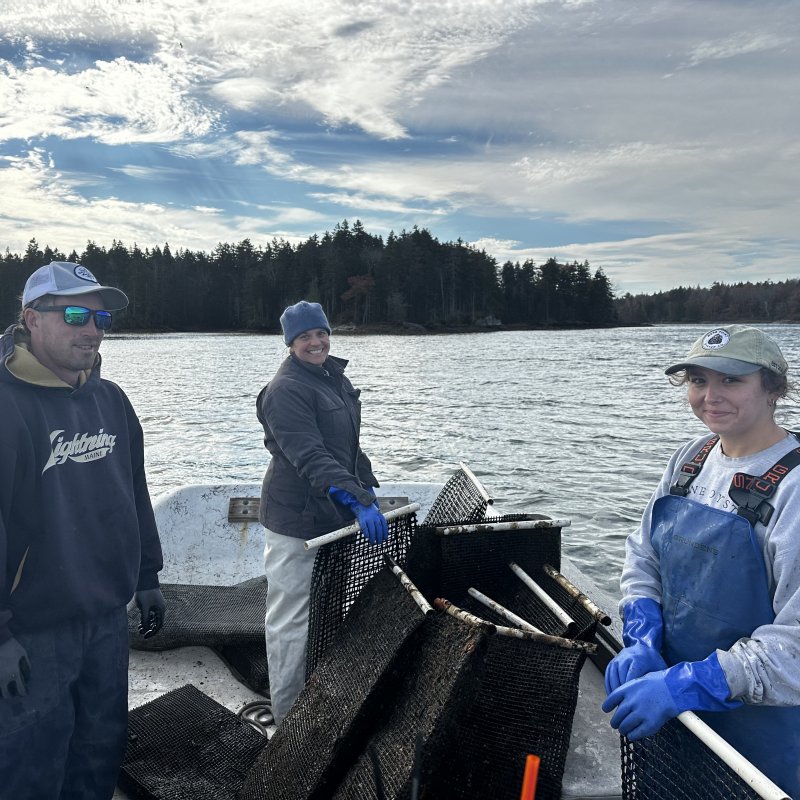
675	765
205	615
186	746
529	692
434	693
526	704
354	684
461	498
341	570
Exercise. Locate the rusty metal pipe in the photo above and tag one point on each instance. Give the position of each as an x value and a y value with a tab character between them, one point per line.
578	595
440	604
520	525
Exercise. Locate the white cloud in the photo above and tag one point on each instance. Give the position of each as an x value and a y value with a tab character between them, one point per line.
739	45
650	264
363	202
40	192
114	103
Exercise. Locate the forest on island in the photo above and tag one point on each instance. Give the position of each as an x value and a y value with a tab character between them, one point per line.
408	280
740	302
411	278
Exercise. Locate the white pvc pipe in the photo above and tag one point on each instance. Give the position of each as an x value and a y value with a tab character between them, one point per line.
565	619
478	485
488	527
503	611
343	533
408	585
750	774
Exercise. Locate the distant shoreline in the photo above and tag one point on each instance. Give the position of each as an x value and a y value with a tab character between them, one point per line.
407	329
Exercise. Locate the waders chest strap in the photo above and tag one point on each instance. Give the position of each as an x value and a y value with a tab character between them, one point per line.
750	493
691	469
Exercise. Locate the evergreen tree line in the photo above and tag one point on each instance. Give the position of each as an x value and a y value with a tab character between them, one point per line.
740	302
357	277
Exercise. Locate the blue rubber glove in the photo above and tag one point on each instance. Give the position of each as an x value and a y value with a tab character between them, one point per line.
645	704
373	524
643	636
15	669
152	608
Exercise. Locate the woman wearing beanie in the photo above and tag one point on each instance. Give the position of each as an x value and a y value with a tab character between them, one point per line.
318	480
711	582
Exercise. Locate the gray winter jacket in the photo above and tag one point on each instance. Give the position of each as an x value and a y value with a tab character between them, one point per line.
312	419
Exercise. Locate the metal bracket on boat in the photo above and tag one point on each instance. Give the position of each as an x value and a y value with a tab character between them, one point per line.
391	503
243	509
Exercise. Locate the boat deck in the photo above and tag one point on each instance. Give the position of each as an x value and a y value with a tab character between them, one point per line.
202	547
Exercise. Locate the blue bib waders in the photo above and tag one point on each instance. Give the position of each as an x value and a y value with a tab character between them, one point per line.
715	592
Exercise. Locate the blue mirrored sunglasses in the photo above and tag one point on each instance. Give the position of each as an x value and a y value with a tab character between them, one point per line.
78	315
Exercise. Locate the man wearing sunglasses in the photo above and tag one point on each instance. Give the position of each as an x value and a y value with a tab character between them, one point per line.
78	540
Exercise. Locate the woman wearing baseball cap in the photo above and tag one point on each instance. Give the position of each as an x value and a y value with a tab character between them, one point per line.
711	582
318	480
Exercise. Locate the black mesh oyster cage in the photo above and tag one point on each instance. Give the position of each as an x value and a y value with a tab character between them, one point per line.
682	764
185	746
528	685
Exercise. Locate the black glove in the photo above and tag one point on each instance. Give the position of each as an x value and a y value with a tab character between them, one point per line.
153	609
15	669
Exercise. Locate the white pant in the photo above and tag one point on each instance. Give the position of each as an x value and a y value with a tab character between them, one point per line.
288	567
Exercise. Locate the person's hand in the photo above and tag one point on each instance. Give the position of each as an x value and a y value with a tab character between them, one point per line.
631	663
645	704
152	608
15	669
642	635
373	524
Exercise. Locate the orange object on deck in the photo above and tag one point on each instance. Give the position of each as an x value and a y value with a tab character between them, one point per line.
530	778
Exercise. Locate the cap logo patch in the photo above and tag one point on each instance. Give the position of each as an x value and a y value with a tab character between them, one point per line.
716	339
84	274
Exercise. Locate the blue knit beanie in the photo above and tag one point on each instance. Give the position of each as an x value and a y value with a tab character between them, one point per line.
302	316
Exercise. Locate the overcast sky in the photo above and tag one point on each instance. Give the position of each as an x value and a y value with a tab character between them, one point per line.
657	140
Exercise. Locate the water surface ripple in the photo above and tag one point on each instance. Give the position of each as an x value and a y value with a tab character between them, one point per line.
575	424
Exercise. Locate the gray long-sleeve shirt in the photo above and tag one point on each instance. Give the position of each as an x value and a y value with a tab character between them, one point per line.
765	667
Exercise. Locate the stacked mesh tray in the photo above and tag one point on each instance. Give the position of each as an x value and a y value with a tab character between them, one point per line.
391	676
530	688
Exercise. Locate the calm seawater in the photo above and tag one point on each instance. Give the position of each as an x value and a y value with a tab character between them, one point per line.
575	424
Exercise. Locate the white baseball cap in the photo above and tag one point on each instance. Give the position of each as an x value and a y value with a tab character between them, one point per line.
65	279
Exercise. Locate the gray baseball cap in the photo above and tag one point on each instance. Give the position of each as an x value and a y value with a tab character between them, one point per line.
65	279
734	350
